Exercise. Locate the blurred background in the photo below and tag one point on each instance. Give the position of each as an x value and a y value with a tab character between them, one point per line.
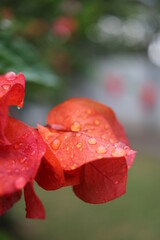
108	51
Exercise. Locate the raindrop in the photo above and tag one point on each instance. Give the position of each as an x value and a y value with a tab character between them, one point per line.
10	75
16	146
78	135
116	182
6	86
55	144
18	107
79	145
23	160
76	127
73	166
33	152
65	137
20	182
126	148
118	152
111	140
104	137
89	111
106	126
101	149
96	122
71	155
92	141
89	131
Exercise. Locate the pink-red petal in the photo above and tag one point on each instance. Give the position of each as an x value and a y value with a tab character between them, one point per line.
8	200
11	93
19	161
92	149
102	181
34	207
13	86
50	175
89	132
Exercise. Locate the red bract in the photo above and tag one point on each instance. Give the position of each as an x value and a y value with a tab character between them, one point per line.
21	150
85	139
64	26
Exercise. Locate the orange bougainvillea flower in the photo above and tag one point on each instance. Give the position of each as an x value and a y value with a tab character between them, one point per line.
86	148
21	150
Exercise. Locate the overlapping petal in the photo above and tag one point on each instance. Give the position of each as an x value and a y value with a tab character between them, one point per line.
91	146
8	200
12	88
34	207
20	160
21	149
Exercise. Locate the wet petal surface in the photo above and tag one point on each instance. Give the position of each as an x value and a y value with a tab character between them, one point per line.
20	160
91	147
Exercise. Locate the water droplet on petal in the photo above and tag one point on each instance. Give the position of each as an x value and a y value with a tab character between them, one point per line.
78	135
89	111
33	152
71	155
73	166
126	148
18	107
106	126
67	148
89	131
79	145
16	146
20	182
6	86
65	137
55	144
23	160
76	127
104	137
101	149
118	152
10	75
116	182
96	122
92	141
111	141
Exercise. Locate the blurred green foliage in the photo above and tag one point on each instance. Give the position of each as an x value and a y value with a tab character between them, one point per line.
53	40
4	236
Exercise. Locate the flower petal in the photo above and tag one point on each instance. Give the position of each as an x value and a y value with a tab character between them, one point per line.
34	207
11	93
13	86
50	175
20	160
7	201
102	181
90	131
92	149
